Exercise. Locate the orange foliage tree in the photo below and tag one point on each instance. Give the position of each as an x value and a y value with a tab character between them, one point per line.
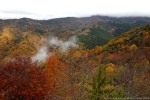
21	79
55	71
54	68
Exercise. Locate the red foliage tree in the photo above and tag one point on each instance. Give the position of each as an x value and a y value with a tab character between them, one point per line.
21	79
113	55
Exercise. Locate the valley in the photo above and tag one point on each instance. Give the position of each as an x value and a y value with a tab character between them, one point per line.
95	58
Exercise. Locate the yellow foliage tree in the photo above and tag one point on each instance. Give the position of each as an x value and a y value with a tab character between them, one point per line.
110	68
77	54
133	47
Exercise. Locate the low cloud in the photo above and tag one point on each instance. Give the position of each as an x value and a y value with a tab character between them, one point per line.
41	55
71	42
63	46
55	43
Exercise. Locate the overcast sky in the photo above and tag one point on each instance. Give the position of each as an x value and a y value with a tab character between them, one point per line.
47	9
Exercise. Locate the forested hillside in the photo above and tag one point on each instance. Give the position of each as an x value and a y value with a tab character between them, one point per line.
91	58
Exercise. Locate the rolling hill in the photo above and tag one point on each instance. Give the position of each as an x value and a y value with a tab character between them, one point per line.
108	56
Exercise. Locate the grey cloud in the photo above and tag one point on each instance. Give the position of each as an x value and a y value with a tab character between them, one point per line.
16	12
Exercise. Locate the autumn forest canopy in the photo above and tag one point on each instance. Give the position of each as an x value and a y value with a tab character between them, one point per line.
89	58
